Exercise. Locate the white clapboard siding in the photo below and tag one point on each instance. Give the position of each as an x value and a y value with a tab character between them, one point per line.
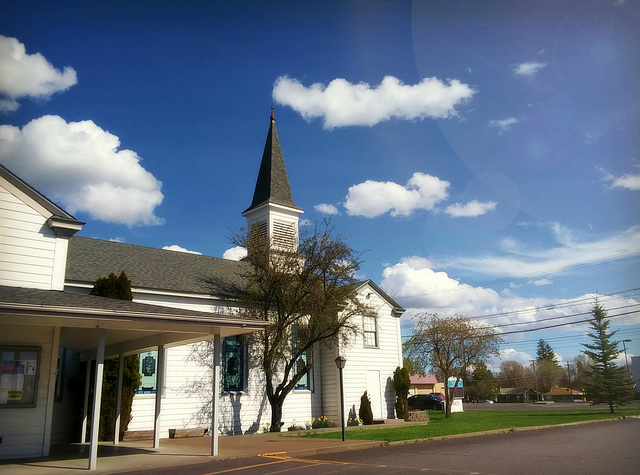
28	245
249	411
385	358
22	428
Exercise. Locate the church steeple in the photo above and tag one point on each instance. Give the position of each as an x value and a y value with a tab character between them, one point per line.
272	207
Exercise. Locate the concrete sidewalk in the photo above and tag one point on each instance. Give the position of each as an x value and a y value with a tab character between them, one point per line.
132	456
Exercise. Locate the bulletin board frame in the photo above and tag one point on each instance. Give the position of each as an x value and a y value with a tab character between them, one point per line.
19	374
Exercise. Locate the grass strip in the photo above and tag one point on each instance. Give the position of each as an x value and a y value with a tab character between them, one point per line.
476	421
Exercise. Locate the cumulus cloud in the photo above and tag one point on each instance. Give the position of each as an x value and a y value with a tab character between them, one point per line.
341	103
28	75
326	208
415	282
80	165
529	69
503	125
175	247
627	181
235	253
373	198
470	210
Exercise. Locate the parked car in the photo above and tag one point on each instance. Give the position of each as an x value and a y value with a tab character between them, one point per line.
425	401
485	401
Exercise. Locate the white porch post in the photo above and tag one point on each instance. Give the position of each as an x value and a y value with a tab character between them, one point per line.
97	399
85	408
116	429
159	390
215	398
51	394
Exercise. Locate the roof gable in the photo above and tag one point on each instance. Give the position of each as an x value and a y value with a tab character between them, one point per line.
397	309
58	219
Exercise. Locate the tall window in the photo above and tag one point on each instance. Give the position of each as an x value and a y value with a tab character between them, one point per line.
370	332
233	361
304	382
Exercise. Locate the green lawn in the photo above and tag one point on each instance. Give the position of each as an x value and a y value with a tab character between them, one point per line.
476	421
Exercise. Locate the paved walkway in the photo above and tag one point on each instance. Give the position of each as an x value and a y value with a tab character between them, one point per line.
130	456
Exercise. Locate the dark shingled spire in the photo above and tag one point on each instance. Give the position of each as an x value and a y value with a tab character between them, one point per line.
272	185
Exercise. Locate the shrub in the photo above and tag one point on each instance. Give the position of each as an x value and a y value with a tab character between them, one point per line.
402	384
365	412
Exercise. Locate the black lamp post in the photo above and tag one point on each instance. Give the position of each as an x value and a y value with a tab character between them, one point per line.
341	361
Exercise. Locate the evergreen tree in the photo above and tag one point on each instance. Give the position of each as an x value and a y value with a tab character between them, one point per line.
482	384
365	412
545	352
401	385
609	384
117	287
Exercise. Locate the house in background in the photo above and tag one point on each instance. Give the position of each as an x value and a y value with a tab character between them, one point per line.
425	384
517	395
45	308
563	395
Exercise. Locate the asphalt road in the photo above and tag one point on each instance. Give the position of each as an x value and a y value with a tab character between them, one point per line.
584	449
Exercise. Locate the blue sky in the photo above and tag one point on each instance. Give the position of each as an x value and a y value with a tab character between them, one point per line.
484	156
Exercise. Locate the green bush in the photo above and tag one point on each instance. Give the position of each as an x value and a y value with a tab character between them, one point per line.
365	412
402	384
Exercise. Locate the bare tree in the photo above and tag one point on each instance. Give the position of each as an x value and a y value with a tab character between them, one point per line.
450	345
307	293
514	375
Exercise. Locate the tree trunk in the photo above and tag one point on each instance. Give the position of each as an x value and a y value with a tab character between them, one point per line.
276	413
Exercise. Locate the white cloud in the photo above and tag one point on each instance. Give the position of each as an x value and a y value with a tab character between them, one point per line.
503	125
326	208
28	75
540	282
591	137
235	253
175	247
470	210
569	251
341	103
415	283
627	181
529	69
80	165
373	198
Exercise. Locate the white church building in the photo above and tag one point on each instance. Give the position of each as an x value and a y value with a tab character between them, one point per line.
52	330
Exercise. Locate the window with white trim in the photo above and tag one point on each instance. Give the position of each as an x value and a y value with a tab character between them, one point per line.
370	331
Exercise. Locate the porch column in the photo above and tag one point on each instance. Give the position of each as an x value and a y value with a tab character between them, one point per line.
159	391
97	399
85	407
215	398
116	429
53	371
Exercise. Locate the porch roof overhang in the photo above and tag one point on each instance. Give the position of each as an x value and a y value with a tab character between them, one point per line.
130	327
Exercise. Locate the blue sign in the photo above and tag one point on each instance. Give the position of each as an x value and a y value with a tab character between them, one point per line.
452	383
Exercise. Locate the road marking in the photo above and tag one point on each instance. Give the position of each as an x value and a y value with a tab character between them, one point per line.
245	467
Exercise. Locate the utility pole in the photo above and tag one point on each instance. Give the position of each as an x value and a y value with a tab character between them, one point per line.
625	356
535	376
569	377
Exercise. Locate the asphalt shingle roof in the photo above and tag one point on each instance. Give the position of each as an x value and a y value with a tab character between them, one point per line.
149	268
